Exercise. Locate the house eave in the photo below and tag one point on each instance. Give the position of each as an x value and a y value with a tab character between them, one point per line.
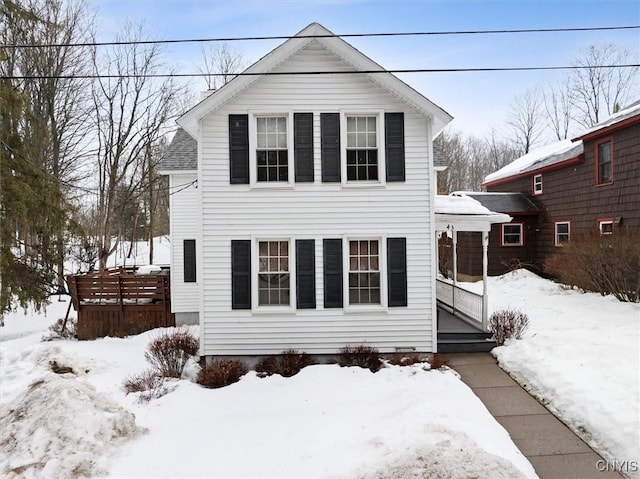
608	130
556	166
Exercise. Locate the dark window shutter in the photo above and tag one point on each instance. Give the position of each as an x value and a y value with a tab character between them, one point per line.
330	146
397	271
303	146
332	261
394	145
306	274
239	149
189	257
241	274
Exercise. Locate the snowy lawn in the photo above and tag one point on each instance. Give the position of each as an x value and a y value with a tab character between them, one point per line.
581	357
326	421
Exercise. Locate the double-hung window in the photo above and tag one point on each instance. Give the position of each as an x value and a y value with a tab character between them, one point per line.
364	272
604	162
362	148
274	285
562	232
272	151
512	234
537	184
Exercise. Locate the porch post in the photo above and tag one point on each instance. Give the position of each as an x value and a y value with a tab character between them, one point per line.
485	296
455	255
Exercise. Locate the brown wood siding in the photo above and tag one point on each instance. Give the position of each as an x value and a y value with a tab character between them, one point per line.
571	193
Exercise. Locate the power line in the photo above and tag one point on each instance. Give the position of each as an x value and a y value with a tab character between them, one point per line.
346	35
321	72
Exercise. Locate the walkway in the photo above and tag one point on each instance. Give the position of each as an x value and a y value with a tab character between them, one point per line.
553	450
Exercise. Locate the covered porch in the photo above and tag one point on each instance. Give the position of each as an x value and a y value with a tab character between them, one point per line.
462	319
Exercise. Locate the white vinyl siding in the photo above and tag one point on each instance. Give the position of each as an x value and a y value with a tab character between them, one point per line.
185	224
315	211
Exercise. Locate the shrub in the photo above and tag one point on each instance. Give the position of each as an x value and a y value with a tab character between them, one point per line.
607	264
287	364
400	359
506	324
61	329
438	361
221	372
169	352
362	355
149	384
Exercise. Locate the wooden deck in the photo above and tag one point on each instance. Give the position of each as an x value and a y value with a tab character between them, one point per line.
119	303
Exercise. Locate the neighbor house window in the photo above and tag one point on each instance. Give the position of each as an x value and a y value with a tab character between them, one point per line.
562	233
364	272
605	226
604	162
273	273
362	148
272	153
537	184
512	234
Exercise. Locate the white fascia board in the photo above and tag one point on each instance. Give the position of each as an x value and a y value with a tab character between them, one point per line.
470	222
189	121
176	172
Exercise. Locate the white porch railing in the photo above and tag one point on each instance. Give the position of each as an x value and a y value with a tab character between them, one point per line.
460	300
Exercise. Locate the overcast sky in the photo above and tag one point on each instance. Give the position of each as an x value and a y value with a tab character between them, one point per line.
478	101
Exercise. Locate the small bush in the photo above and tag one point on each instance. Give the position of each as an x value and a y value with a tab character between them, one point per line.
508	324
400	359
438	361
287	364
150	385
61	330
362	355
221	372
169	352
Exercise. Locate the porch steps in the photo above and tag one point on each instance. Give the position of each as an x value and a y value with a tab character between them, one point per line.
467	342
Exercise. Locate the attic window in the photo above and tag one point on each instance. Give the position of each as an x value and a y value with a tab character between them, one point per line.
604	162
537	184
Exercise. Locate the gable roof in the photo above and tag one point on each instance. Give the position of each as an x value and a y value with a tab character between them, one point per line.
553	155
511	203
181	154
625	117
360	62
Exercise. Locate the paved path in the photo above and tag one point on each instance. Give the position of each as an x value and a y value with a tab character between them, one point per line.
553	450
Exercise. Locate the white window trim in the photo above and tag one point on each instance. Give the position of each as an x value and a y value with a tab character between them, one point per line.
253	144
508	245
537	191
605	222
555	232
382	263
382	168
255	271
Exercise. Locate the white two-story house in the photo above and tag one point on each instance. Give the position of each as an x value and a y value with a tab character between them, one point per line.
302	206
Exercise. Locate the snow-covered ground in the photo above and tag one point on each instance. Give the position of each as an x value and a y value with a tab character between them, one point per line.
326	421
581	356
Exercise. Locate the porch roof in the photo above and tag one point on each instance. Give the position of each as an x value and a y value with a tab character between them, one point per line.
463	213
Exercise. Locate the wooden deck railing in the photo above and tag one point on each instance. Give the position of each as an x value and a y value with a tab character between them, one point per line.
119	303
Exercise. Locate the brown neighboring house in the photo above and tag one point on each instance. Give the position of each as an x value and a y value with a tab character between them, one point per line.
589	183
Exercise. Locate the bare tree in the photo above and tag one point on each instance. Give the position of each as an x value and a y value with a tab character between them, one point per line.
525	117
220	63
598	91
132	111
558	108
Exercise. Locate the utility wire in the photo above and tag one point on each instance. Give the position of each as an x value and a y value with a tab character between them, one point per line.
346	35
320	72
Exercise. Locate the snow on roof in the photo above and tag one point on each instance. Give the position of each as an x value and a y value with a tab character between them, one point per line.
627	112
459	205
545	156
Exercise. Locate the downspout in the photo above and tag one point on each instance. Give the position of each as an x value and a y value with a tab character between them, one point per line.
485	295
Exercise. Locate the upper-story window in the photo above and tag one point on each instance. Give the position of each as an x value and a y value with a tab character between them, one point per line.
537	184
604	162
272	152
362	148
